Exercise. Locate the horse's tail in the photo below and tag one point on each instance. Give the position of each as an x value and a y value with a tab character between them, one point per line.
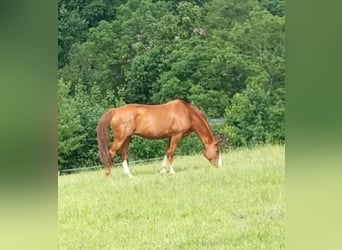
102	137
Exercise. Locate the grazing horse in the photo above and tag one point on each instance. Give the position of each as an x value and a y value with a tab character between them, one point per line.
174	120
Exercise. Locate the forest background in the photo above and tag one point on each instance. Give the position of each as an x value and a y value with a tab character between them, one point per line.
225	56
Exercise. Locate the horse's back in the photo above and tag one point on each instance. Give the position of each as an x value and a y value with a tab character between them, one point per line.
175	109
154	121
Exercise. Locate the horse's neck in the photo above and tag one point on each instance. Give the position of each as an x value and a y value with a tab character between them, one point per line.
202	129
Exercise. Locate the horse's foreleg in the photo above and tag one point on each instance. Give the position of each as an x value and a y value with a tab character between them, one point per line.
164	164
171	150
165	160
123	155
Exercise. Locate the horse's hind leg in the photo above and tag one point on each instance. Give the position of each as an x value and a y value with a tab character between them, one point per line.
123	156
112	152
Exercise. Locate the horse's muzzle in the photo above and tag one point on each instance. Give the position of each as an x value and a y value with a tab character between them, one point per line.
217	164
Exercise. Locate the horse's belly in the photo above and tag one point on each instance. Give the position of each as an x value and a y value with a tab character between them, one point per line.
160	126
153	133
158	130
153	137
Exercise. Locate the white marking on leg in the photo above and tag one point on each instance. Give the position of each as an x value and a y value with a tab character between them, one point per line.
126	168
172	170
220	164
164	164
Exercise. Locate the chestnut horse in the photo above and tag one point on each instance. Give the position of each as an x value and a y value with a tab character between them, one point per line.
174	120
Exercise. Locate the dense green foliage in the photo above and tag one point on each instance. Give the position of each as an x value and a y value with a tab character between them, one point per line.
225	56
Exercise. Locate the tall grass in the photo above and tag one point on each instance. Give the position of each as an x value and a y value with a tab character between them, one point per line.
200	207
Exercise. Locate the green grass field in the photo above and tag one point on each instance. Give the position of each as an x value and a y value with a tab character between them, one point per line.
200	207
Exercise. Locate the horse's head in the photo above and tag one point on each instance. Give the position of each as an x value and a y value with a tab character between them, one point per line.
212	153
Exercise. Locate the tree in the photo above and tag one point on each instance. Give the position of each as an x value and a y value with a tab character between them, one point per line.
143	73
71	29
275	7
223	14
261	42
90	106
108	53
78	114
252	117
225	56
76	17
70	130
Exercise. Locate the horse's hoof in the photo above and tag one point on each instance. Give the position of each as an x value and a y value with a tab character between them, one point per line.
172	171
163	171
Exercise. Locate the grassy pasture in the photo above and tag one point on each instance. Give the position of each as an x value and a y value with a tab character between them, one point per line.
239	207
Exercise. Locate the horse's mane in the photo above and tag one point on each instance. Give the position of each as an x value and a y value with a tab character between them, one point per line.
202	116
